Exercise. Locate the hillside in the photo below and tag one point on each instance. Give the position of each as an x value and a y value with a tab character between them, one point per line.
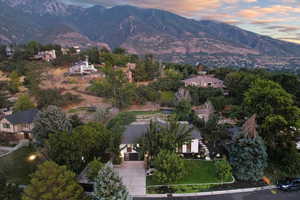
143	31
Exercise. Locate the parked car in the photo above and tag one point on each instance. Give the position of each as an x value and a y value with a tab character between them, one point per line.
289	184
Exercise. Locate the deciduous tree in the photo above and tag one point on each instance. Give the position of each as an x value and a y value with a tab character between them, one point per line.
52	181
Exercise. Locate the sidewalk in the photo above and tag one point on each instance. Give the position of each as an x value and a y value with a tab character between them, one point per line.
210	193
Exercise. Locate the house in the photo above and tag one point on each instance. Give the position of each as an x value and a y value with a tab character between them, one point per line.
19	123
77	49
46	55
83	67
137	130
204	81
9	51
204	111
130	67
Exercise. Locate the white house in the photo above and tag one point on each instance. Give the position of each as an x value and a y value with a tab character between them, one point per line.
19	123
136	130
83	67
46	55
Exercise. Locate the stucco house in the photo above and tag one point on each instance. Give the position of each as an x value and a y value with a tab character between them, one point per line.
204	81
83	67
137	130
18	124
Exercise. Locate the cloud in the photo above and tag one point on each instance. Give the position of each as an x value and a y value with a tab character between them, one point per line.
285	28
266	21
256	12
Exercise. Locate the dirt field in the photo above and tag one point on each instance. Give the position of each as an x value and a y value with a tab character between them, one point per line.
55	78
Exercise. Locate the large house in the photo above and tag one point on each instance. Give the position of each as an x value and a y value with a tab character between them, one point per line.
18	124
204	81
135	131
83	67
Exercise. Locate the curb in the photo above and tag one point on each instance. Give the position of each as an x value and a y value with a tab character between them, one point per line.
210	193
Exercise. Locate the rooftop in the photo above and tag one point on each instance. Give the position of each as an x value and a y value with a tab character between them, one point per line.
23	117
137	130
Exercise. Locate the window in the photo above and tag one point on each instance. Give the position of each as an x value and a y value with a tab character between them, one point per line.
6	125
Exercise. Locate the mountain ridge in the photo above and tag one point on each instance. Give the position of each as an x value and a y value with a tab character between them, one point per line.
168	36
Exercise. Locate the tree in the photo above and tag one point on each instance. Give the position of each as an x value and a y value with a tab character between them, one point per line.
119	51
184	111
108	185
167	98
14	82
223	168
167	136
75	121
101	114
170	167
93	169
51	120
3	100
277	117
248	157
80	147
52	181
8	191
23	103
215	134
266	98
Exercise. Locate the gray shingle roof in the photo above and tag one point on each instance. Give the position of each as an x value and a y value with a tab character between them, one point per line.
135	131
22	117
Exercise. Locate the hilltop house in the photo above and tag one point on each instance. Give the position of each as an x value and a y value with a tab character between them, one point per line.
18	124
9	51
204	81
137	130
46	55
83	67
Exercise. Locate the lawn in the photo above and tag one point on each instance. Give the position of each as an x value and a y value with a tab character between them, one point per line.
201	172
17	167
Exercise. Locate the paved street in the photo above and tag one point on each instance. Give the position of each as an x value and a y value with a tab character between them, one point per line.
133	176
262	195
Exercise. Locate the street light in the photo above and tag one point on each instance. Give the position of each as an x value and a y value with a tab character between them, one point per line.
32	157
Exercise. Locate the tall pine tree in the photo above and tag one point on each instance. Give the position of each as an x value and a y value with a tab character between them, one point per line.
108	185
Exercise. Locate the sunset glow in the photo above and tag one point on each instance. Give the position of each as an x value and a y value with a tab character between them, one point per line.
275	18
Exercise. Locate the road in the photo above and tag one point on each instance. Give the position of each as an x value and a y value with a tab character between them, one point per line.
261	195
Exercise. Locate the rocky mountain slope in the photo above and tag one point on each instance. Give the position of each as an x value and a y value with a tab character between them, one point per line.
143	31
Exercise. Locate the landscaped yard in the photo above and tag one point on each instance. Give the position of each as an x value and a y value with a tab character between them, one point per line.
17	166
201	172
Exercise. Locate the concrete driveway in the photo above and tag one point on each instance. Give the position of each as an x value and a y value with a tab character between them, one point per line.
133	176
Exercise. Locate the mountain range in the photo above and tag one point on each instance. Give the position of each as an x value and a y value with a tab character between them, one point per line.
168	36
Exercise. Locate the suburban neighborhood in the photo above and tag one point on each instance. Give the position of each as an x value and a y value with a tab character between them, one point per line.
153	128
118	102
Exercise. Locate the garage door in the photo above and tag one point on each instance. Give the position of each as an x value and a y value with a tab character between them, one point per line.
132	157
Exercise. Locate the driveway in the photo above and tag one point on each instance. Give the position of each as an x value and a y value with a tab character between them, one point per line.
133	176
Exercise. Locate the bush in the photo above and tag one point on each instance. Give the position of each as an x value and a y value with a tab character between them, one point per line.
223	169
93	169
170	167
167	99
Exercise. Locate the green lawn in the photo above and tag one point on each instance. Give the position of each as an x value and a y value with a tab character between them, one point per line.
201	172
17	167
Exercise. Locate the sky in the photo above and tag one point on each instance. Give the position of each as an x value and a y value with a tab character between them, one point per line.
276	18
